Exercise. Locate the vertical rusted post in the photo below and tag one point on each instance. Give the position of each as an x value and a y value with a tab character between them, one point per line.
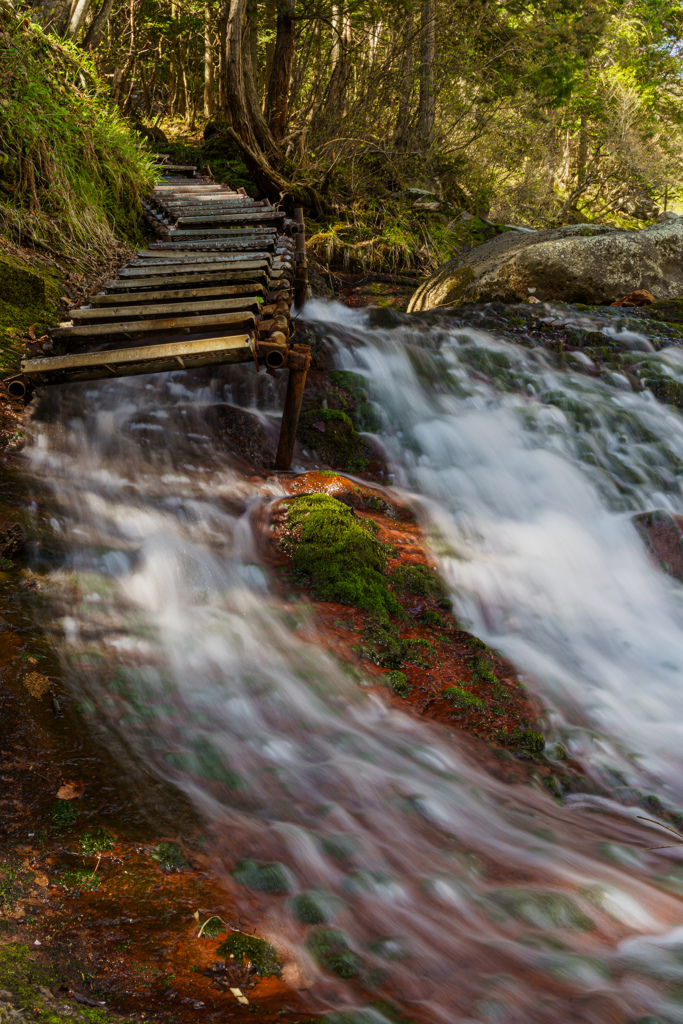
301	275
299	362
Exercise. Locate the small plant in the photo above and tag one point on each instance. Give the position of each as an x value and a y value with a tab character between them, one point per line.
170	856
386	648
95	841
264	877
398	683
264	957
6	564
461	699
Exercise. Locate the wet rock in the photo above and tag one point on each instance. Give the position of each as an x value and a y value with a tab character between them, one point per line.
332	437
12	540
322	349
577	263
243	433
662	533
665	390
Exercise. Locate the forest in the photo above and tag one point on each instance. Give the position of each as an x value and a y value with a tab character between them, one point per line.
391	120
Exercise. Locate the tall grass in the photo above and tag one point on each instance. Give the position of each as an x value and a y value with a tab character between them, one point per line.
71	171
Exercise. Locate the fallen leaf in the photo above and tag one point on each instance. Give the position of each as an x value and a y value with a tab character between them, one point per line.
642	297
32	332
41	880
35	683
71	789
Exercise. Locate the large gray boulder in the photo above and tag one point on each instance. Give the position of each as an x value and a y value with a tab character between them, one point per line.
575	263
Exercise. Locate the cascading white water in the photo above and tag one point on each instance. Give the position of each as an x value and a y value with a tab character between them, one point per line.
451	894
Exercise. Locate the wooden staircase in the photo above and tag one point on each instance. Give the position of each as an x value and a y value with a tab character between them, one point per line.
215	287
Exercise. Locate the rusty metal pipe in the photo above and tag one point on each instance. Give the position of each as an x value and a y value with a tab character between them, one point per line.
299	362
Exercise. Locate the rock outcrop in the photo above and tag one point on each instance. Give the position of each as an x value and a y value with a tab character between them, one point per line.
576	263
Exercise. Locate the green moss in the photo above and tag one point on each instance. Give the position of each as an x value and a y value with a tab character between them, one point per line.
337	551
316	906
331	950
331	435
525	739
386	648
211	928
29	297
354	383
170	856
272	877
260	953
665	390
461	699
482	670
398	683
64	813
432	619
94	841
421	580
82	879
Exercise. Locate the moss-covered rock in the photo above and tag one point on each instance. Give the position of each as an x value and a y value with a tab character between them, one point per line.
339	553
332	437
462	699
29	297
260	953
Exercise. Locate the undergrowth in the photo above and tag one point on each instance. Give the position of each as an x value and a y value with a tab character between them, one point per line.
72	173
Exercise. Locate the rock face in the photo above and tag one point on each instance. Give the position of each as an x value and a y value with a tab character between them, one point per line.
575	263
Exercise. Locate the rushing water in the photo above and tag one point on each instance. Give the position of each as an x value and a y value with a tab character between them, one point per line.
452	896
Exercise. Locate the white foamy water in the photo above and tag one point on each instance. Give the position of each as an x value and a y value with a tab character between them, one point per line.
436	887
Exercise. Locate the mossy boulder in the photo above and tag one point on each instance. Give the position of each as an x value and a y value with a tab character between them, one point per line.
338	551
332	437
29	297
264	957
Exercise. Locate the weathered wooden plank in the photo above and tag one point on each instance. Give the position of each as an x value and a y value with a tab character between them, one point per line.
253	231
167	326
179	294
142	359
87	316
182	265
135	283
247	216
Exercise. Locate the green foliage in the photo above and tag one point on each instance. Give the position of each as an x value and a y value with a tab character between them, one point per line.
170	856
333	438
260	953
430	618
461	699
275	878
336	549
211	928
398	683
94	841
71	173
331	950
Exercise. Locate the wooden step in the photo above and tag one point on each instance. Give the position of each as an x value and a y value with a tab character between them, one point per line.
243	277
239	218
170	325
93	316
253	231
238	348
179	294
182	266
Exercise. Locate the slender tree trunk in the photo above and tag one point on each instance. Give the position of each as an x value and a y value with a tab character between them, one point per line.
145	90
269	22
277	101
98	26
403	115
223	15
208	60
425	117
79	11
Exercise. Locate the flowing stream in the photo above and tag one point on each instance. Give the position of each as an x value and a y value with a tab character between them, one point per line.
396	859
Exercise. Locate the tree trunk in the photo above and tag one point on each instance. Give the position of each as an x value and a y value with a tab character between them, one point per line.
277	102
425	117
79	10
208	61
98	25
269	22
403	115
239	89
223	13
